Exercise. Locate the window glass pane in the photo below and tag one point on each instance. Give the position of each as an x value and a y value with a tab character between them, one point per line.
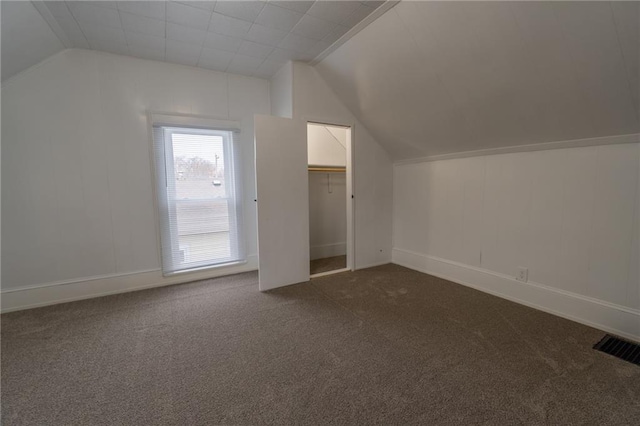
198	166
203	230
199	208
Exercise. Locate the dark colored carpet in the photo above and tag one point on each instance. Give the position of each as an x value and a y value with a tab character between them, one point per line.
328	264
384	345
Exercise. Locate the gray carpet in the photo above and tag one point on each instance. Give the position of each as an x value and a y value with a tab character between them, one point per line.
384	345
328	264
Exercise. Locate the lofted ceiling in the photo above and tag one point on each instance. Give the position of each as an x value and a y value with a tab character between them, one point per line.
252	38
431	78
26	37
426	78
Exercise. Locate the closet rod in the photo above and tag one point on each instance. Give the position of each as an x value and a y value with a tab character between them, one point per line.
327	169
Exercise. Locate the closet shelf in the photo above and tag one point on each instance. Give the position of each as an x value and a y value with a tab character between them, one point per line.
327	169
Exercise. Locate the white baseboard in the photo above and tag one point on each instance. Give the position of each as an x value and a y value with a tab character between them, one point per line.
328	250
86	288
609	317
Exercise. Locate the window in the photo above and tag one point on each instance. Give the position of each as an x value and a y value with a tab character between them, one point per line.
198	198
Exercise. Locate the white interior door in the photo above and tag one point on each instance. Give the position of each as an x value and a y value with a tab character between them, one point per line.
282	185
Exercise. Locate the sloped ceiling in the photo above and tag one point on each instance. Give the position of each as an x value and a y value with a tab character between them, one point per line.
26	37
431	78
252	38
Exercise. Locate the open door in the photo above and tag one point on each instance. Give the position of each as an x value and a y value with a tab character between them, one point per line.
282	187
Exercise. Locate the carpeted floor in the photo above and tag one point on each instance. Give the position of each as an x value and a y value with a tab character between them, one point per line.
384	345
328	264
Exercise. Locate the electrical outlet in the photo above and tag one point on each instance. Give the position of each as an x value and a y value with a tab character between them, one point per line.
523	274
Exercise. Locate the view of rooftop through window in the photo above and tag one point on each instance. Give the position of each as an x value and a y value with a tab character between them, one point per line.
200	216
199	166
202	211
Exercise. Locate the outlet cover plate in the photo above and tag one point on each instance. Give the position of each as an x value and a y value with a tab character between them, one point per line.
523	274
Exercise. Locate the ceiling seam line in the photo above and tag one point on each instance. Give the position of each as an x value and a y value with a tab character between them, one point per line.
124	33
68	44
205	36
78	24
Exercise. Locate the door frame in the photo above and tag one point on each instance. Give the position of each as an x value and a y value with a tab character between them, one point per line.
351	196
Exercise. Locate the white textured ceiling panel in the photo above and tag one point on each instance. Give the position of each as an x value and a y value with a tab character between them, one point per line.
246	37
430	78
26	37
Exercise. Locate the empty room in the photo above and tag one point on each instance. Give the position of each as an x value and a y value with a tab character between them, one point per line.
320	212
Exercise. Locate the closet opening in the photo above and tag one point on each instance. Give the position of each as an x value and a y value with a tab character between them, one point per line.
330	198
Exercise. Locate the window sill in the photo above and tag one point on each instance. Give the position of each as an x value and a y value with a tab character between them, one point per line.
205	268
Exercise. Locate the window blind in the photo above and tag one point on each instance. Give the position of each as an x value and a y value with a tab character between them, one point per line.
199	198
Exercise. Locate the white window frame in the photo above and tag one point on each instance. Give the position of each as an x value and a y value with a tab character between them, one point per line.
166	209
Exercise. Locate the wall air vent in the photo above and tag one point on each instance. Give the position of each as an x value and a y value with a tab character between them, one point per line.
619	348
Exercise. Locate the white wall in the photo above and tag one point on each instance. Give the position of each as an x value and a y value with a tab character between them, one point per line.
326	147
327	214
568	215
76	177
314	100
281	92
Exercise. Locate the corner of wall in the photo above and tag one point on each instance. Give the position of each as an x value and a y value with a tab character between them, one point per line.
568	213
16	77
281	92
